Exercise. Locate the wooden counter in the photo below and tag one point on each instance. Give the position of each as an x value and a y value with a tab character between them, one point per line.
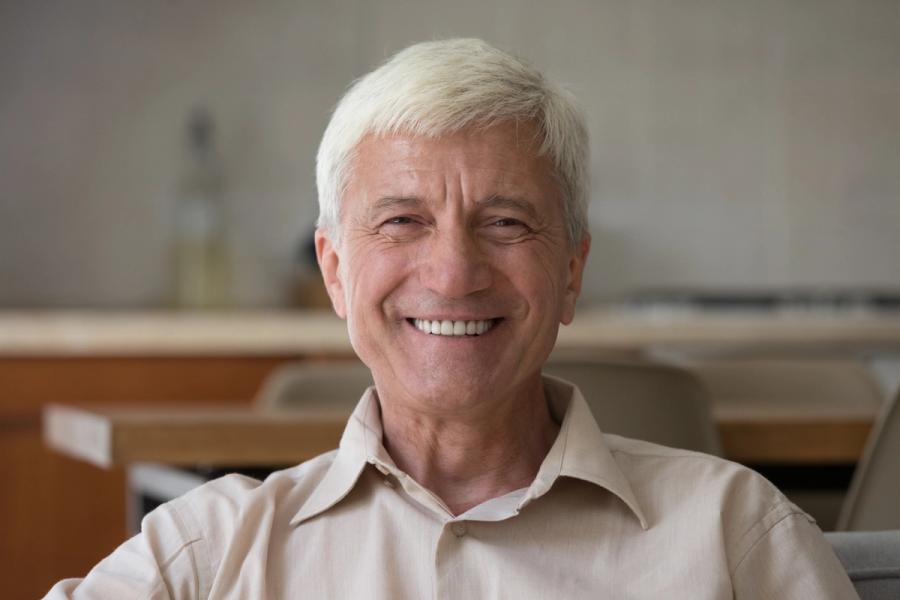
258	333
244	436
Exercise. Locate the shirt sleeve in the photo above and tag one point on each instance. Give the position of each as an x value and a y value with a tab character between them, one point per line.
789	558
160	563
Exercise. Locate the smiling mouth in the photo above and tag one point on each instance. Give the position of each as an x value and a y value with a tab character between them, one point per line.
454	328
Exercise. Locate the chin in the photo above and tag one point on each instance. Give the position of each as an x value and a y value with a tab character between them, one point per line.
455	393
446	389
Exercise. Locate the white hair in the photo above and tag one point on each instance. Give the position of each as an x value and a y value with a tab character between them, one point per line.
437	88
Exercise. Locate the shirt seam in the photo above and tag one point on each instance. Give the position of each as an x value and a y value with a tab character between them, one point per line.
775	507
763	535
202	586
185	545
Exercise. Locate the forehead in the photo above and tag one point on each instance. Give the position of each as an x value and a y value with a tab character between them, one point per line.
502	159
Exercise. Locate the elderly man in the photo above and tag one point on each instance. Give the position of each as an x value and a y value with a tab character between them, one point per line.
453	238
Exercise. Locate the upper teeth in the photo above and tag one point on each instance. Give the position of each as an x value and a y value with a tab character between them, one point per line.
453	327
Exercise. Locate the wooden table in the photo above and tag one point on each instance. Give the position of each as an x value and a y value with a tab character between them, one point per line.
244	436
108	436
771	436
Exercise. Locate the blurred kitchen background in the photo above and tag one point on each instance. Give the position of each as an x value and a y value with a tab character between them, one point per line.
745	163
735	145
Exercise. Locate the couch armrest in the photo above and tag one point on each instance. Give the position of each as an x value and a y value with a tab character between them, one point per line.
872	560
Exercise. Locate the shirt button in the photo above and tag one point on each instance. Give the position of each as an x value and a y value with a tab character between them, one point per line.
388	482
458	528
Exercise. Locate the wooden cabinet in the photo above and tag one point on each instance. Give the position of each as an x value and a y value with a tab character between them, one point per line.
59	516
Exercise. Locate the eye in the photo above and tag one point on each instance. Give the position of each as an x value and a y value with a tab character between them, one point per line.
398	221
507	229
401	227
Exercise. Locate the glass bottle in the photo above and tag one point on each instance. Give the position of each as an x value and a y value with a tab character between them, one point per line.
201	261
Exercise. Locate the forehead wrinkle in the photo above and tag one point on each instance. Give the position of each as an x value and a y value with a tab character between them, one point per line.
497	200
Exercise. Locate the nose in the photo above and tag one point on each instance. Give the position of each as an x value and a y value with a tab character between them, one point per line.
453	265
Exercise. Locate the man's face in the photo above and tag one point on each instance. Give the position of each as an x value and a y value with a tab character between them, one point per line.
463	236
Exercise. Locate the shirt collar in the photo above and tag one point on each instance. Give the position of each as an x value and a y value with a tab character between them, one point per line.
579	452
361	435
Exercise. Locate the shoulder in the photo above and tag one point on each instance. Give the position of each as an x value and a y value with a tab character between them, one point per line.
222	509
673	470
771	548
193	533
220	502
182	543
684	489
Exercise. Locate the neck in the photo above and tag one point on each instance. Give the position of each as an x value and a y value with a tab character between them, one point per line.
467	459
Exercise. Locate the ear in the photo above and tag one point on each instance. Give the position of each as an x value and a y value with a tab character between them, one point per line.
576	264
329	264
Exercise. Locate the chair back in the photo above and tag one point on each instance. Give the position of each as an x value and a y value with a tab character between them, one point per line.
791	385
872	560
873	501
314	385
661	404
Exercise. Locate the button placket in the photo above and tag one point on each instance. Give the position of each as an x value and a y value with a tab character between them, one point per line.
386	474
459	528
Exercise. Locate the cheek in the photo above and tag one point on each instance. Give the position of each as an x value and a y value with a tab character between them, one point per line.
374	274
537	273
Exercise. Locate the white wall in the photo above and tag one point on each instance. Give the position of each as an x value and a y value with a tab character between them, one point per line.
734	143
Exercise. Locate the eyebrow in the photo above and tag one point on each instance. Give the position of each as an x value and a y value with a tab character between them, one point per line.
389	202
519	204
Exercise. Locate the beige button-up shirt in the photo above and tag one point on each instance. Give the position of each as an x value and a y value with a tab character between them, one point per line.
605	517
